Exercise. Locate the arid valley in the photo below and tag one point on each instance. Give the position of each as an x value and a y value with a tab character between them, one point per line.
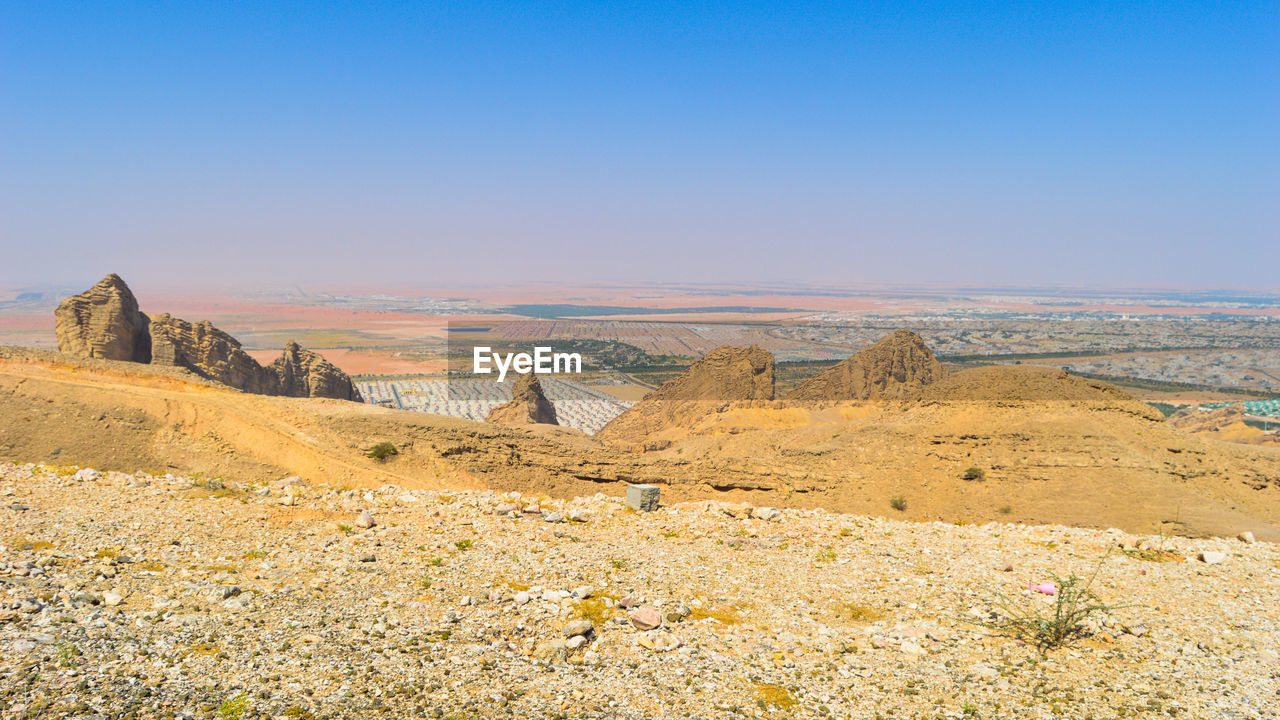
835	538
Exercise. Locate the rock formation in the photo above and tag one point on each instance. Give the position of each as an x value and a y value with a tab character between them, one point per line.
897	366
103	322
528	405
1228	423
207	351
301	373
723	376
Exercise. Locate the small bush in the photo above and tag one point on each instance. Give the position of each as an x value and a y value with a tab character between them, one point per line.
464	544
1073	605
381	452
973	473
67	653
769	696
1005	509
346	529
233	707
898	502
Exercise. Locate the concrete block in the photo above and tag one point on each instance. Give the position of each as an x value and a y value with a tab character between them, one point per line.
643	497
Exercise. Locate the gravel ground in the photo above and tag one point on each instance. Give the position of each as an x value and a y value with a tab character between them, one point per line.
138	596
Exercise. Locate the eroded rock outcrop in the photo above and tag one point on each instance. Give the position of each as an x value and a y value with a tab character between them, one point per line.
301	373
103	322
528	405
723	376
209	352
896	366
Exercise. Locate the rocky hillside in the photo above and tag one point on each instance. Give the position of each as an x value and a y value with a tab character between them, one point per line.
897	366
1093	463
723	376
528	406
104	322
165	595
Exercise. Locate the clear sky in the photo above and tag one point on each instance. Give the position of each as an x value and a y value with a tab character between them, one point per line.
1118	143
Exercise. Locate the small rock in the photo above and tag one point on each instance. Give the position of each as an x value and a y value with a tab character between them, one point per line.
628	601
659	642
582	592
112	599
1136	629
506	509
578	627
576	642
551	652
646	618
984	671
768	513
365	520
87	474
521	598
1212	557
553	517
1246	537
678	613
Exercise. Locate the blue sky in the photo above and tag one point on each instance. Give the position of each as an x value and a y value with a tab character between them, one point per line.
1002	143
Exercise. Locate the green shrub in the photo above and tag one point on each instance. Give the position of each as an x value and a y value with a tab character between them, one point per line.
381	452
233	707
974	473
1073	605
898	502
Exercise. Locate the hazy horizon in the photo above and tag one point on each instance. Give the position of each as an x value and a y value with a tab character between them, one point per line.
1127	147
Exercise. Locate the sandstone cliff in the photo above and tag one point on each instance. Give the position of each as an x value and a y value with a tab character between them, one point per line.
209	352
103	322
528	405
897	366
723	376
299	372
